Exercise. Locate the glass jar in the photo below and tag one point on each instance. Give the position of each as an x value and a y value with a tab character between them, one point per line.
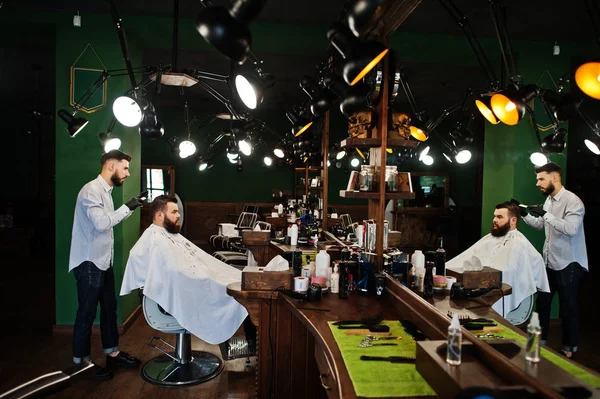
366	178
391	178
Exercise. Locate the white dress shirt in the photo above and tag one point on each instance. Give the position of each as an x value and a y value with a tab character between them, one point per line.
521	265
92	238
563	224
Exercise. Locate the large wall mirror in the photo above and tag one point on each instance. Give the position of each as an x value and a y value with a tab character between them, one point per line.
158	180
431	190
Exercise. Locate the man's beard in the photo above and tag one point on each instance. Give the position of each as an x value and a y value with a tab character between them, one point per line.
115	180
500	231
172	227
548	190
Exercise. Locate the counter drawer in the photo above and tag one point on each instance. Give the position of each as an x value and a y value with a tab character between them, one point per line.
327	375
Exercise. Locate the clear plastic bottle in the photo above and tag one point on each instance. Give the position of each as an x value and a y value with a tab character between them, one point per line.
534	333
335	280
454	347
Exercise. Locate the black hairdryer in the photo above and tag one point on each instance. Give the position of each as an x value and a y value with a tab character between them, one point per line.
458	291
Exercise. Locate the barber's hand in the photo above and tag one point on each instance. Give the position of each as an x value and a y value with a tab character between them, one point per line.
522	209
536	210
135	202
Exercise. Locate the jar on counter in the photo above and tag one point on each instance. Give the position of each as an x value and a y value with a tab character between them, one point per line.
391	178
366	178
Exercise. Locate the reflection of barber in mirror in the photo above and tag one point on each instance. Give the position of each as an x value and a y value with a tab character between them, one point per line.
565	253
91	258
505	248
178	276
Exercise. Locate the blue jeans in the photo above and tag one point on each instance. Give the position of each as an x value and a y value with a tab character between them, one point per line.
566	283
94	286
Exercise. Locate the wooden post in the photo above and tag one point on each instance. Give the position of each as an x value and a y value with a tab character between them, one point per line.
325	170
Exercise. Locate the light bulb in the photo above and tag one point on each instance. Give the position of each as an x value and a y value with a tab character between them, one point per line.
463	156
354	162
268	161
538	159
427	160
510	106
593	147
202	166
424	153
127	111
112	144
245	147
186	148
279	153
246	91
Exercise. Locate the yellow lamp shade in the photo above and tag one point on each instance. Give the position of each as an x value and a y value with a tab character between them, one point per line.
505	109
485	108
369	66
418	134
587	78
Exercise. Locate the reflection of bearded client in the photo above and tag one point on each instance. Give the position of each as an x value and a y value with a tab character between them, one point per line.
507	250
185	281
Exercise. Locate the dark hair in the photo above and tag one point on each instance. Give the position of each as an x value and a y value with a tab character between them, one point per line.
513	209
549	168
114	154
160	203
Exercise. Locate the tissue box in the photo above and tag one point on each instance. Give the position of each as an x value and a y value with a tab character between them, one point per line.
488	277
254	278
250	237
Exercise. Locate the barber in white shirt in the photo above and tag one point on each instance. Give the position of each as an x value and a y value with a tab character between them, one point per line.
565	253
92	252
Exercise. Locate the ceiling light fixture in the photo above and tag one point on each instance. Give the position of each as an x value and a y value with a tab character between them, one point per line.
268	161
587	78
109	143
485	107
299	123
555	142
150	127
74	125
359	57
510	105
359	13
227	29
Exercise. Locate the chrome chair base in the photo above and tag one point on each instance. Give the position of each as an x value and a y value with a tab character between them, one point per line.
163	370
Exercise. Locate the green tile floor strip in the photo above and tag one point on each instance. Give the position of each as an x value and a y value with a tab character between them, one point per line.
577	371
382	379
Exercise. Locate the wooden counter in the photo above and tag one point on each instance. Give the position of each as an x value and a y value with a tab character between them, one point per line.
299	358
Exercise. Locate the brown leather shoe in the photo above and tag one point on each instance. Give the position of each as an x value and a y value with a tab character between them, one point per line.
122	360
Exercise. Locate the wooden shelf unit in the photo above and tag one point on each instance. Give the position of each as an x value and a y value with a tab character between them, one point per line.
376	143
375	196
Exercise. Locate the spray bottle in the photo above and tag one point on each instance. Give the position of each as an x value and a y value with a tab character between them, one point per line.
454	346
534	332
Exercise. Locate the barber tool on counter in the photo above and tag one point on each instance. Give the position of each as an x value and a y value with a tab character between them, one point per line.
393	359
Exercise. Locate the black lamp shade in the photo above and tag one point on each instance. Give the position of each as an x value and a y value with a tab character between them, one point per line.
360	57
251	88
150	127
355	100
321	103
555	142
419	130
299	123
74	125
220	29
564	105
359	13
363	59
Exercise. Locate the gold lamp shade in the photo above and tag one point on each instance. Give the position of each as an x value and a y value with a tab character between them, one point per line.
484	106
587	78
506	110
418	133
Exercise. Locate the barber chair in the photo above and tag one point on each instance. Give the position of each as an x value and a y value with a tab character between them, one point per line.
179	367
521	314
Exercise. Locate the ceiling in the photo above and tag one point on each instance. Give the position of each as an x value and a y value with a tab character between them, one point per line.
527	19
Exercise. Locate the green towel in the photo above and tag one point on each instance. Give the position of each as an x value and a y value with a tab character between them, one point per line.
382	379
577	371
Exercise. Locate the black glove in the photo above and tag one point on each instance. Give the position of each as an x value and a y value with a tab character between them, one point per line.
536	210
522	209
135	202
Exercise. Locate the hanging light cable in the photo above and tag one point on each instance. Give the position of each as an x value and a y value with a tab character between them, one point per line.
187	147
